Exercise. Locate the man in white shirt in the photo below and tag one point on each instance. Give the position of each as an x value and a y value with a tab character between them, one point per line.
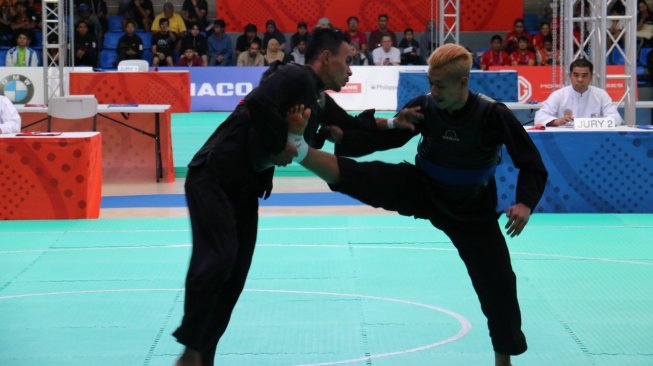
9	117
386	54
579	99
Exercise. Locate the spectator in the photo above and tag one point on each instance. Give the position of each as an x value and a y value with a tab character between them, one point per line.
195	12
301	35
24	22
141	12
86	49
252	57
98	10
579	99
429	39
271	31
511	41
355	35
409	48
196	41
244	40
6	18
175	21
220	48
22	55
358	58
189	58
323	23
94	26
537	41
9	117
377	35
163	44
130	45
495	56
522	56
386	54
274	52
545	55
644	24
298	53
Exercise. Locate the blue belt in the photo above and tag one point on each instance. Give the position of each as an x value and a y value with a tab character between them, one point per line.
456	176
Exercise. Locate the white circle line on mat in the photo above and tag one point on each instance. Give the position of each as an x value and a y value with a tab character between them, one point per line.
465	325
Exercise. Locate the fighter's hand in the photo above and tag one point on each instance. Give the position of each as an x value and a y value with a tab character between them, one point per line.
518	216
284	157
333	133
297	118
408	118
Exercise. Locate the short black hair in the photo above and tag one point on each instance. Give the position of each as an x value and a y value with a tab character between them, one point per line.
353	17
581	62
250	28
164	20
325	39
220	23
383	15
496	37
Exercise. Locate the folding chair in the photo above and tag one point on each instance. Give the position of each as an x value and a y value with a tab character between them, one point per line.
133	65
73	107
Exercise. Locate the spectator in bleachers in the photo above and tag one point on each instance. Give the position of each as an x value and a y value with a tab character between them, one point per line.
189	58
141	12
220	46
9	117
522	56
271	31
323	23
580	99
22	55
495	56
644	21
301	35
86	46
298	53
253	56
130	45
358	58
386	54
377	35
537	41
409	48
355	35
6	17
163	44
195	12
94	26
195	41
511	40
615	26
176	23
244	40
429	39
544	55
24	21
273	52
99	11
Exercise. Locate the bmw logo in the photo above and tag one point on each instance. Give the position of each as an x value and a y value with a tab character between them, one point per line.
18	88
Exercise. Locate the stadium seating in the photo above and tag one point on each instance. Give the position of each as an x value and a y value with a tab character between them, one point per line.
147	39
111	40
3	57
108	59
115	23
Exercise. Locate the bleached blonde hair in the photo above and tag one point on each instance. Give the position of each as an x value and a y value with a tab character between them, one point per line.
456	59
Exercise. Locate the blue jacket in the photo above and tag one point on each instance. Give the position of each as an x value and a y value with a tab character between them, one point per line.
31	58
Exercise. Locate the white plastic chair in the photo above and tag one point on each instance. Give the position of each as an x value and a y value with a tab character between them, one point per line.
73	107
133	65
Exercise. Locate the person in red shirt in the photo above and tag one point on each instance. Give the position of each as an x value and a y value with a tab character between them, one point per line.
522	56
495	56
537	41
355	35
544	55
511	42
189	58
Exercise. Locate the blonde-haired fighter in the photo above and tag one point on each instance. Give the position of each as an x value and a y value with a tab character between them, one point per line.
452	183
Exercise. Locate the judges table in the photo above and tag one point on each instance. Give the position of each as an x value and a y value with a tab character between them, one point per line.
50	177
137	138
601	171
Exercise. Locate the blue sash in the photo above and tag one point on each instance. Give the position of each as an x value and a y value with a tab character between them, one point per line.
455	176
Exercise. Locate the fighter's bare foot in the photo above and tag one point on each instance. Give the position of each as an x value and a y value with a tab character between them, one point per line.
189	358
501	359
297	118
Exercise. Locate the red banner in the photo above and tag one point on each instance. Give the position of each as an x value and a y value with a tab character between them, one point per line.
475	15
535	82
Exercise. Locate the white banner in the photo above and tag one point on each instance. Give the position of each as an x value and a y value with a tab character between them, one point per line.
24	85
372	87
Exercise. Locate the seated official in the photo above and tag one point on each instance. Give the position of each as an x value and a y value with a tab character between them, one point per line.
9	117
579	99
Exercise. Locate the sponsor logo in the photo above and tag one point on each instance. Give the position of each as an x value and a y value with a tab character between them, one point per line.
350	88
221	89
450	135
18	88
383	87
525	89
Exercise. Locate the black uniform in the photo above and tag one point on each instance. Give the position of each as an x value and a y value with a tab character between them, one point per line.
127	42
452	185
227	176
87	43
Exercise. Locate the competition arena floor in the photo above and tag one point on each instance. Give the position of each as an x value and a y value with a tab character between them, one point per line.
333	282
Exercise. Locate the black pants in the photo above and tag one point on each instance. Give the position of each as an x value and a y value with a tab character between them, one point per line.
224	235
481	245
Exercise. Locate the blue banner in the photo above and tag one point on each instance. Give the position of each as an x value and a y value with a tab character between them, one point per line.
220	88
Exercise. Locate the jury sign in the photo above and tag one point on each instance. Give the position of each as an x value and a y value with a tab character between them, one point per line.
594	123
